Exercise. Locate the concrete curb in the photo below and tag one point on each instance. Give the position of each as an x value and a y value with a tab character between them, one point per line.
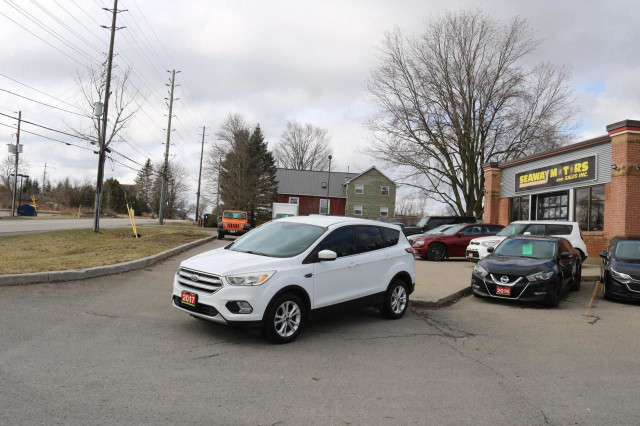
97	271
440	302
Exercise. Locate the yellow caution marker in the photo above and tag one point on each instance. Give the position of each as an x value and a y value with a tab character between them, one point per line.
79	211
132	220
33	201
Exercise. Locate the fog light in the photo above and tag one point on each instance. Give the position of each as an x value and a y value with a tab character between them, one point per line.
539	293
244	307
476	286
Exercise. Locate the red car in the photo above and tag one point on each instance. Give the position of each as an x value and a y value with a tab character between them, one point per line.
452	242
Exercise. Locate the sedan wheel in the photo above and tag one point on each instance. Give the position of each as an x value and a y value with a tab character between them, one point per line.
436	252
577	279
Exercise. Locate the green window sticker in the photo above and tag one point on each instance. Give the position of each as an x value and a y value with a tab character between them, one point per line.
527	249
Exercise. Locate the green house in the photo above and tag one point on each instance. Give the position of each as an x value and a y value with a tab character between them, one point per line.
370	195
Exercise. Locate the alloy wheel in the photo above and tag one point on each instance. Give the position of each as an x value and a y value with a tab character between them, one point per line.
398	300
287	318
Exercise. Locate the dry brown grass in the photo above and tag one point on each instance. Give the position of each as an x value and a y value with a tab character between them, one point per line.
82	248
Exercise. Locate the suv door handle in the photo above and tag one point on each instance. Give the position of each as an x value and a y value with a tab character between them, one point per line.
353	265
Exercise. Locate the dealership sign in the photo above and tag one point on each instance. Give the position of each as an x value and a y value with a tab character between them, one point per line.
575	171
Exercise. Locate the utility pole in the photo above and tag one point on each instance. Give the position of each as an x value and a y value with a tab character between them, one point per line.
328	184
44	177
102	134
200	175
166	150
218	190
15	182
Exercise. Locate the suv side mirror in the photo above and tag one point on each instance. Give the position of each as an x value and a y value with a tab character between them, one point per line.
604	255
565	255
490	249
327	255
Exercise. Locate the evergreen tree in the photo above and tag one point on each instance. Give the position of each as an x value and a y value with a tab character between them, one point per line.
113	196
145	182
264	186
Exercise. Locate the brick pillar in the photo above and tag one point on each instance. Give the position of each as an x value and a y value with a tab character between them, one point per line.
492	176
622	198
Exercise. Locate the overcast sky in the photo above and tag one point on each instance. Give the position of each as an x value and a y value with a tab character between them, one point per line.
271	61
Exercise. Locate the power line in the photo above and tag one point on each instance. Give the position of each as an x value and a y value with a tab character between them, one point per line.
51	129
43	103
39	91
47	137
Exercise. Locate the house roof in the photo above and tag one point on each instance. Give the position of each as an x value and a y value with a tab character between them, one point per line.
309	182
367	171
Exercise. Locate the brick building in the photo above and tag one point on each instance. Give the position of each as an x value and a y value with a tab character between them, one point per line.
595	183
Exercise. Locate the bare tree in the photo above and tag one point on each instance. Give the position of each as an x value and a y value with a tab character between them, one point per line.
8	167
459	96
303	146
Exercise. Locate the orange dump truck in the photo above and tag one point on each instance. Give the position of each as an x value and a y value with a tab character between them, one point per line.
233	223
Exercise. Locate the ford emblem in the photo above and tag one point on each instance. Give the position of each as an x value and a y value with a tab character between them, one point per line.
504	279
194	277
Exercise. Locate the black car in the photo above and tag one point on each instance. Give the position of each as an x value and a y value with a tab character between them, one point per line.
620	270
528	269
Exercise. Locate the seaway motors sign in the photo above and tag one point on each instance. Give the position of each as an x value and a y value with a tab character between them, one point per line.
569	172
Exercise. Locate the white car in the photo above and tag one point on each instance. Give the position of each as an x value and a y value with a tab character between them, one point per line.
275	276
477	248
437	230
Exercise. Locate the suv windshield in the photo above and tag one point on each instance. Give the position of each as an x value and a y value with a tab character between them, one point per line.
628	250
513	229
524	247
279	239
234	215
423	222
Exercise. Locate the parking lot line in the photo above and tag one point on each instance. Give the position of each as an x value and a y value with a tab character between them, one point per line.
597	293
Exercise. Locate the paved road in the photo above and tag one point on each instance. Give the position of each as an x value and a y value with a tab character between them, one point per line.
17	226
112	350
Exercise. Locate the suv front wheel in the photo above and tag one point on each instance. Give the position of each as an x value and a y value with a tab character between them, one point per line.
396	301
285	318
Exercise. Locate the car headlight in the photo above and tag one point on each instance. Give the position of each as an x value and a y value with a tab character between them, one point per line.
253	278
491	243
624	278
480	271
418	243
540	276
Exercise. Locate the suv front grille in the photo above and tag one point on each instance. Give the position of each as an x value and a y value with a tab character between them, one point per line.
233	225
199	280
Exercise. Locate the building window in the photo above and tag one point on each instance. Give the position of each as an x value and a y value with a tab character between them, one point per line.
589	208
357	210
384	190
553	206
294	200
359	188
519	208
324	206
384	211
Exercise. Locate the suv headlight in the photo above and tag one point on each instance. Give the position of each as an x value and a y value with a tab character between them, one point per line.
253	278
480	271
624	278
491	243
540	276
418	243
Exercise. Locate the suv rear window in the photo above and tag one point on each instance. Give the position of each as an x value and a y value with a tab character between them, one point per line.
559	229
390	236
369	238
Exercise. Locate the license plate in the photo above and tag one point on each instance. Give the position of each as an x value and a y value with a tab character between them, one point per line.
189	298
232	231
504	291
469	254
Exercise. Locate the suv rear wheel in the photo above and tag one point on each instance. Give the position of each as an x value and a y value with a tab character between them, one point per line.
396	301
285	318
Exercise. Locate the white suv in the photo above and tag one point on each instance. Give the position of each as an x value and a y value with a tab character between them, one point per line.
477	248
275	276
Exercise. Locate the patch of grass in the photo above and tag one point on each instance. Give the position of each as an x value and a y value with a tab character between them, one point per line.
82	248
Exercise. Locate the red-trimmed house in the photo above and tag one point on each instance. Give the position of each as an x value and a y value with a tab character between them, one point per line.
314	190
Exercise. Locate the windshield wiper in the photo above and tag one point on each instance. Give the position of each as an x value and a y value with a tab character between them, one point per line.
254	252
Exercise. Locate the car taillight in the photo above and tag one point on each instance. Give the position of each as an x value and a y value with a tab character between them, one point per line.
410	250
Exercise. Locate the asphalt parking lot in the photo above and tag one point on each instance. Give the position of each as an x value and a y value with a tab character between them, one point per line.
112	350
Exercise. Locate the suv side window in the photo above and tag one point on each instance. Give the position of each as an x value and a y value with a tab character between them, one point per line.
369	239
559	229
342	241
390	236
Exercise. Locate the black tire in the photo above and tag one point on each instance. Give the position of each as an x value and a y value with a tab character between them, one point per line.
220	235
396	301
280	330
553	298
605	293
577	280
437	252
